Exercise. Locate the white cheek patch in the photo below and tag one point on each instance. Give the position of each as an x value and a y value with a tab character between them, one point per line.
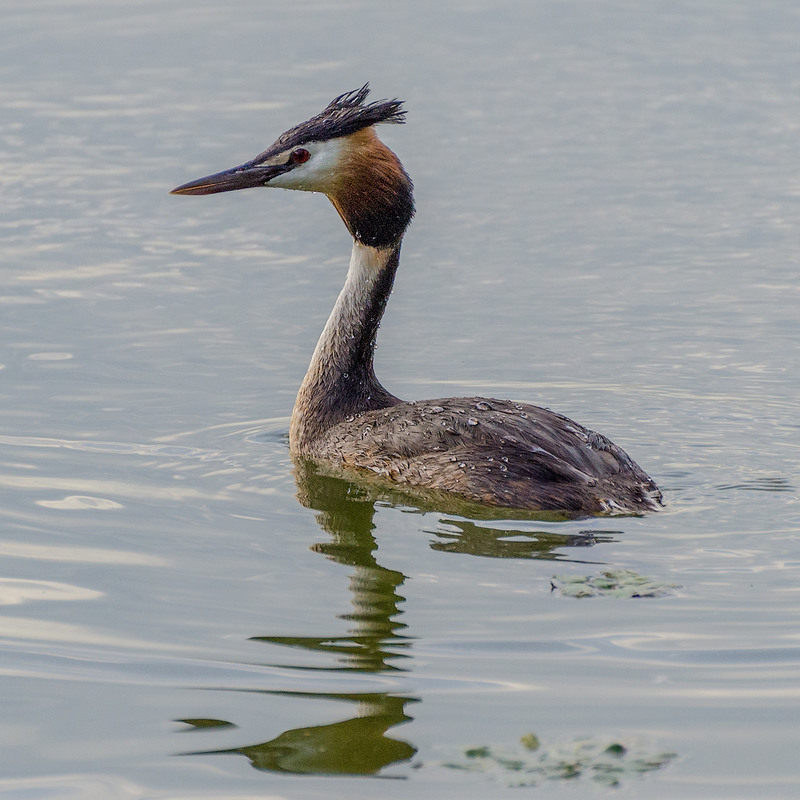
318	174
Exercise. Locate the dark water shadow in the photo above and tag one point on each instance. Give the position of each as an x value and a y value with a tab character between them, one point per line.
377	641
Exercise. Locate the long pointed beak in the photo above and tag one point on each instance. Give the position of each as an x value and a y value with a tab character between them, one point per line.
245	176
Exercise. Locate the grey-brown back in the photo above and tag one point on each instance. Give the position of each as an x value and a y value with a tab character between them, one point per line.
493	452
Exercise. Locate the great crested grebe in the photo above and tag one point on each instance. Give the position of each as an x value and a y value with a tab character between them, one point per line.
487	451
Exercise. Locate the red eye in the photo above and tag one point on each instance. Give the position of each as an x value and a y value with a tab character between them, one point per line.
299	156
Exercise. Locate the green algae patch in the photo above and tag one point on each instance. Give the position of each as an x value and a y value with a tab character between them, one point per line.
609	763
621	583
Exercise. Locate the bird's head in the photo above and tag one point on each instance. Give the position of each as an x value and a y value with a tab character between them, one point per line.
337	153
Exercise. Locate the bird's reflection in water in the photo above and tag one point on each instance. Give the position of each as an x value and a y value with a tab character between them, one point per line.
377	641
464	536
354	746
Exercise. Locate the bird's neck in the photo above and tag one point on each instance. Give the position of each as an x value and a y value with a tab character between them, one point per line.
372	192
341	381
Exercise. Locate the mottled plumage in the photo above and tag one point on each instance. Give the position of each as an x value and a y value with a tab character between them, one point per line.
486	451
493	452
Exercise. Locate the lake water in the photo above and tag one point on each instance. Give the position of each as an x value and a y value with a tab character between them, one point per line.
608	199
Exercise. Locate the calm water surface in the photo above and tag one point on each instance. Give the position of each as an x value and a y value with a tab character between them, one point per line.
608	198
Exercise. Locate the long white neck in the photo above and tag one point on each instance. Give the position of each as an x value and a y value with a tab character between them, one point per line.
340	380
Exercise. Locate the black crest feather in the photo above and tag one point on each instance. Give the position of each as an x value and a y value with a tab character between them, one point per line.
344	115
349	111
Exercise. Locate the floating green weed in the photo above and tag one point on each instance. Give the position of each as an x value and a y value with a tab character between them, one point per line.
623	583
606	762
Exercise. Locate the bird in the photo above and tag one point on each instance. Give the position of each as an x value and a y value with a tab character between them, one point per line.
483	451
